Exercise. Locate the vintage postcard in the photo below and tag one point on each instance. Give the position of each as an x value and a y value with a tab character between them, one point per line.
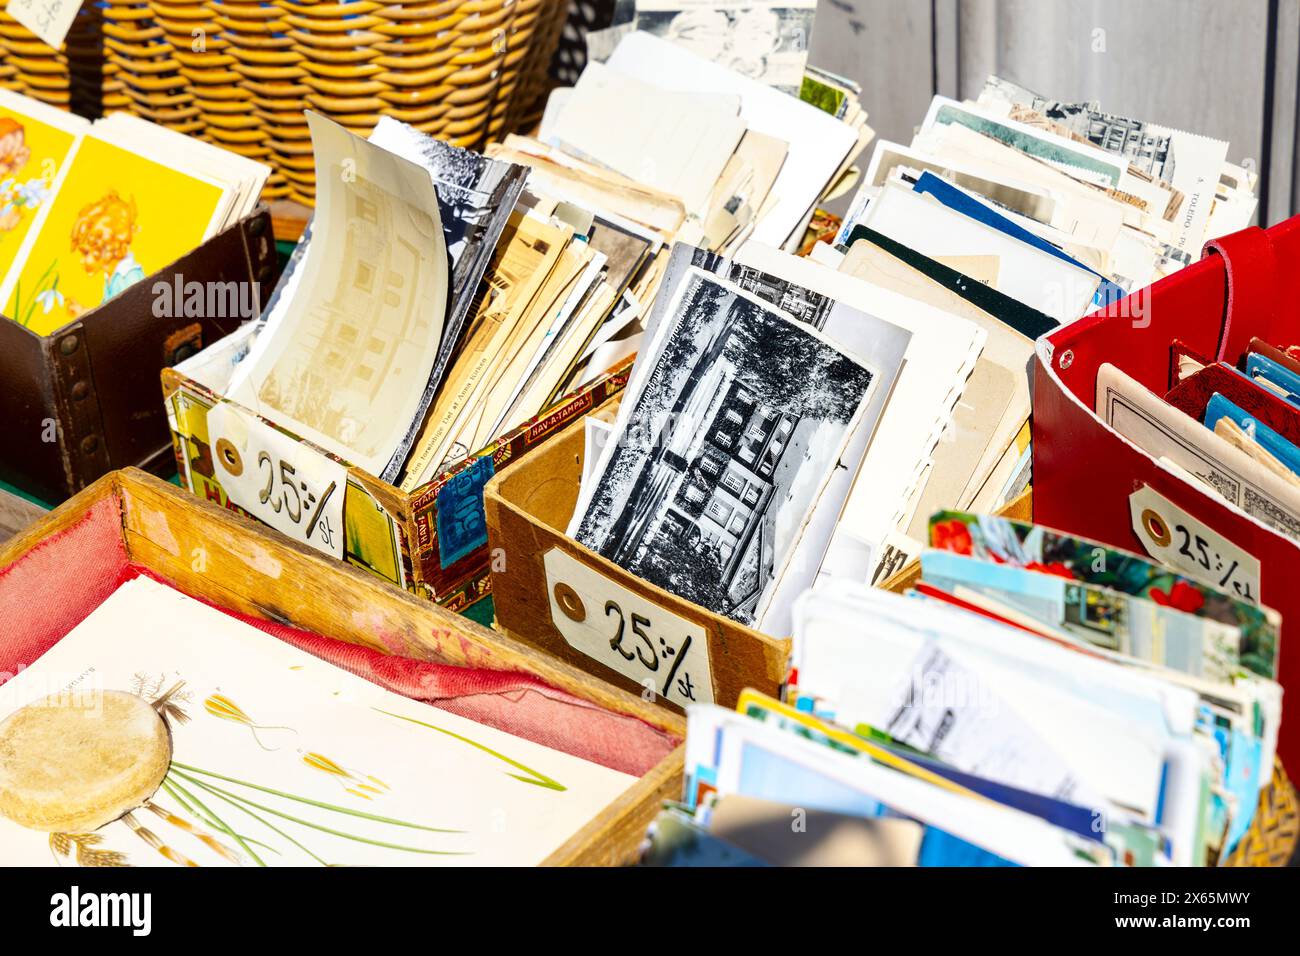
1081	161
1102	616
116	218
37	143
524	261
1019	544
346	364
766	40
882	343
819	143
161	731
1191	164
941	356
724	449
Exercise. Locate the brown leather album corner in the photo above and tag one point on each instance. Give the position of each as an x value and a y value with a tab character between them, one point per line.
84	400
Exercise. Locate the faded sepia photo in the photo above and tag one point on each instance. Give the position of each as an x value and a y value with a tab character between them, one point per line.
354	349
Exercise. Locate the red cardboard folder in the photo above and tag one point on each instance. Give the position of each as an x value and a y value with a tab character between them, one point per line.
1245	285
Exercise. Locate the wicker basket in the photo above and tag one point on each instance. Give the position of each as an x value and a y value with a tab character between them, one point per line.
240	73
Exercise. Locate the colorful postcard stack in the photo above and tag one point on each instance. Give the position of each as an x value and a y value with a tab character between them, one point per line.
87	209
1036	699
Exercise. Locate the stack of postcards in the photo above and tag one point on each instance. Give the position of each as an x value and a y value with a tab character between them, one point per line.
1037	699
441	298
798	428
87	209
1023	212
791	420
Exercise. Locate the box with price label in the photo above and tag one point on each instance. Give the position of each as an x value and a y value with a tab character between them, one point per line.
1120	452
555	594
432	541
83	400
129	525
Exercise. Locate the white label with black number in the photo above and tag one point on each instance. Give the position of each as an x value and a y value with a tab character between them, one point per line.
661	651
1178	539
293	488
48	19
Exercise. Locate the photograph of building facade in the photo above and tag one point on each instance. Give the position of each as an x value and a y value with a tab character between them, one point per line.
353	344
724	453
719	488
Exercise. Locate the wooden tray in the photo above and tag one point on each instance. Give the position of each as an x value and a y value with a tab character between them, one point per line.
255	571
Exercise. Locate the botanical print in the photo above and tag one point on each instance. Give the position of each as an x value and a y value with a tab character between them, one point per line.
117	218
227	747
740	423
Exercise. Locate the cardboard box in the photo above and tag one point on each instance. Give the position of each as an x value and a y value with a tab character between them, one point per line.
432	541
129	521
84	400
565	599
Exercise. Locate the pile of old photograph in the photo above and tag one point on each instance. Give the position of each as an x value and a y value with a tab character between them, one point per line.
441	297
754	457
803	434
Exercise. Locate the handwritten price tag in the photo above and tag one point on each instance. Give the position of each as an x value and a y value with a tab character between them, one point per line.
294	489
48	19
1178	539
638	639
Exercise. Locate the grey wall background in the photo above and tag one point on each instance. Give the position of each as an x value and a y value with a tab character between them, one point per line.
1226	68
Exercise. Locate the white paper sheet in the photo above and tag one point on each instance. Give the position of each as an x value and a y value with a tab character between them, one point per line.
676	142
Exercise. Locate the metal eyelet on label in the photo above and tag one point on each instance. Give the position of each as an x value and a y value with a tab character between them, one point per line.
570	603
230	457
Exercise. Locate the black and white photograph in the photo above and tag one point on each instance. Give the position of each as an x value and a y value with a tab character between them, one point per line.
804	305
767	41
820	548
1148	147
740	423
475	198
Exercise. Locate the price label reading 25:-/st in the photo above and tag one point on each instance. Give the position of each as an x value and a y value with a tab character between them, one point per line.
293	488
635	637
1182	541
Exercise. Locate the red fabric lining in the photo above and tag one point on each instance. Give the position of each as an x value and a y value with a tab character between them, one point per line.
63	579
57	583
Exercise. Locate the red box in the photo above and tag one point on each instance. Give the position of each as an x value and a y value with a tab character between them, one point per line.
1246	285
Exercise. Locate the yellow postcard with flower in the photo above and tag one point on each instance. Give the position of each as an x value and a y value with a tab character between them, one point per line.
36	144
115	218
